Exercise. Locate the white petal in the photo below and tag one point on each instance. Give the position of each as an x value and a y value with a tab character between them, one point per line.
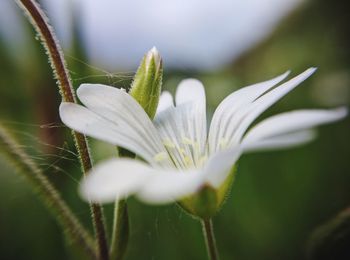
171	186
265	101
226	114
190	90
165	102
115	178
184	127
219	166
120	178
190	95
87	122
119	107
184	142
292	121
280	142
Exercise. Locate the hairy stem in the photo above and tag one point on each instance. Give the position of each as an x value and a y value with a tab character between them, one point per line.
40	22
72	227
208	233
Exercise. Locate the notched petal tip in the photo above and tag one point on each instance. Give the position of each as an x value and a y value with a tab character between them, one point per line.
301	77
313	68
290	128
285	141
310	71
284	75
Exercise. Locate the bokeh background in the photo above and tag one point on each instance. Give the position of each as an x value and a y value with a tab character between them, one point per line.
278	199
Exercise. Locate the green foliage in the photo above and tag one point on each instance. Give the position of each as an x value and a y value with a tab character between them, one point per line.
71	226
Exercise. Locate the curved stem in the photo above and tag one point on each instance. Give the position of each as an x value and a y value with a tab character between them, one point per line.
208	233
70	224
40	22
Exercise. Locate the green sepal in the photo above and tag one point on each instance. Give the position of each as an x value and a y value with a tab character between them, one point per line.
225	188
147	83
202	204
208	201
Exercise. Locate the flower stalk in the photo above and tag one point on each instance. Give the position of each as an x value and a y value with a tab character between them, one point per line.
53	50
120	233
121	223
72	227
208	233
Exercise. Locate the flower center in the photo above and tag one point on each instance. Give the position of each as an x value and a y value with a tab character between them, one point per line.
184	153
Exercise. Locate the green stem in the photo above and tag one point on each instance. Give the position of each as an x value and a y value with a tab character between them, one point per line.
121	225
120	235
208	233
72	227
40	22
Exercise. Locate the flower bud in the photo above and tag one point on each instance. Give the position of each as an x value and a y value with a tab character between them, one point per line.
147	83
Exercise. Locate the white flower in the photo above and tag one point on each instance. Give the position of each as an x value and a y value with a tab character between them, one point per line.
181	158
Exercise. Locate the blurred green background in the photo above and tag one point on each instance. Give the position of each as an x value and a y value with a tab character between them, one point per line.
278	198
